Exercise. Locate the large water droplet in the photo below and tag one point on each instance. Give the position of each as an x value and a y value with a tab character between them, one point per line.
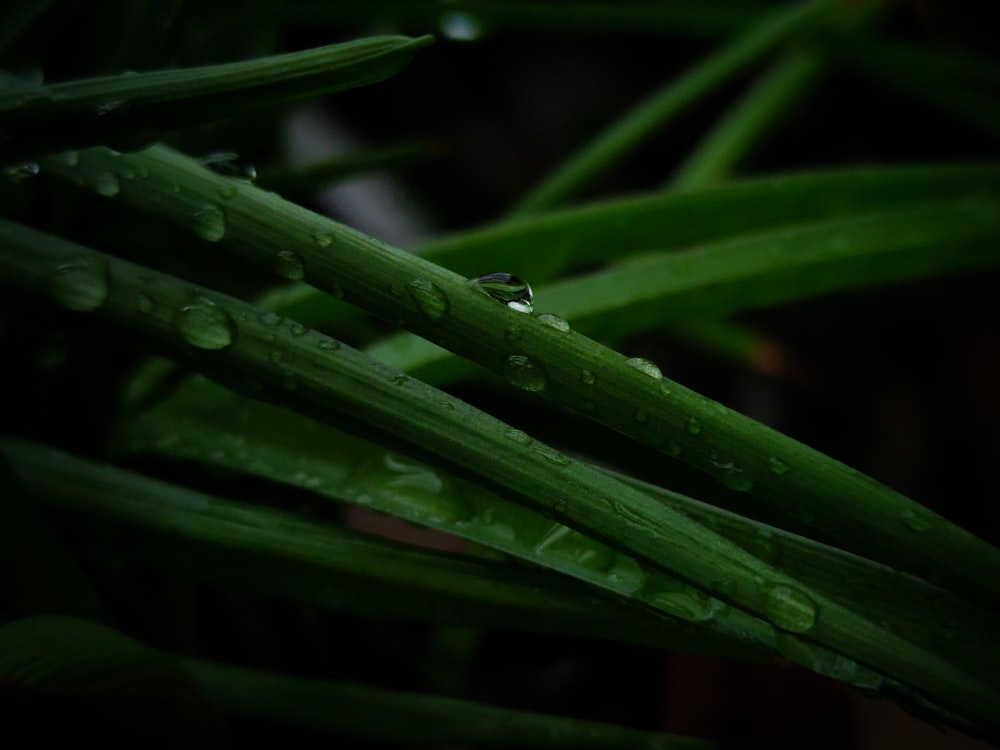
80	283
554	321
645	367
289	264
790	609
626	575
107	184
204	324
433	302
230	164
210	223
523	372
508	289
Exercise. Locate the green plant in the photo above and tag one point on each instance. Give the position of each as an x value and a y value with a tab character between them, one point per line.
308	399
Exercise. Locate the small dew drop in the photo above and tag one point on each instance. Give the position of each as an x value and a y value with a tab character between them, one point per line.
210	223
298	329
80	284
554	321
433	302
672	448
640	416
790	609
270	318
289	264
916	521
145	303
777	466
523	372
107	184
732	476
551	455
204	324
227	191
521	438
512	333
693	426
587	377
329	345
323	238
645	367
508	289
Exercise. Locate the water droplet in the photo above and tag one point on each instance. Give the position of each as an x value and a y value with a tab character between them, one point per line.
107	184
278	356
270	319
640	416
693	426
288	264
645	367
587	377
230	164
204	324
80	283
417	487
145	303
210	223
521	438
732	476
626	575
524	373
323	238
227	191
19	173
551	455
777	466
554	321
298	329
682	601
111	106
329	345
672	448
460	27
790	609
433	302
508	289
916	520
563	542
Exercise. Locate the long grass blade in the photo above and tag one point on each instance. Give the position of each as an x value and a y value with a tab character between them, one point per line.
130	111
638	125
